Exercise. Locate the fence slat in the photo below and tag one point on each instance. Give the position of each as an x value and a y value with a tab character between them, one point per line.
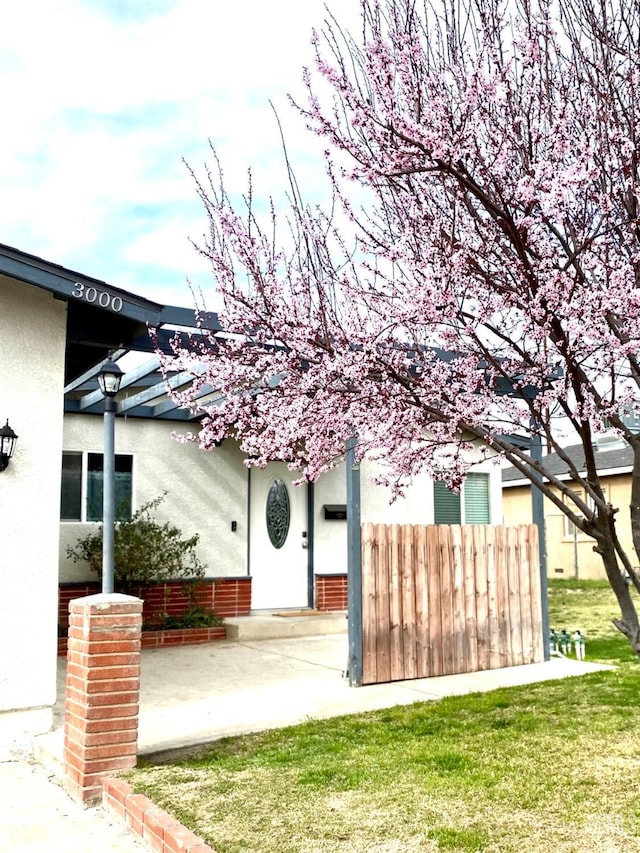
482	603
535	598
524	576
370	556
407	573
421	601
513	558
471	623
435	619
501	561
395	605
459	625
383	624
446	600
493	581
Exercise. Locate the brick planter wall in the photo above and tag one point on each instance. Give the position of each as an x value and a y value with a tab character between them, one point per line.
182	636
331	592
233	596
169	598
225	596
159	830
169	637
102	692
173	599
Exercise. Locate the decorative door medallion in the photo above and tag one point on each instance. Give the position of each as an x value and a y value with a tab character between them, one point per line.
278	513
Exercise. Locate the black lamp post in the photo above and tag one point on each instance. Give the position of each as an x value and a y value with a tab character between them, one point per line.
109	380
7	445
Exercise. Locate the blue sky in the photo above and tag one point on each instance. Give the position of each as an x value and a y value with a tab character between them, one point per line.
101	100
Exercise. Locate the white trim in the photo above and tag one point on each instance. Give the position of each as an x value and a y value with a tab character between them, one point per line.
84	454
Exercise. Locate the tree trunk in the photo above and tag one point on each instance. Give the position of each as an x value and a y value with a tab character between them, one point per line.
634	507
628	623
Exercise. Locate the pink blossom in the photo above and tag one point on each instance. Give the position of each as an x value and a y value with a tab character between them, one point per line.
484	236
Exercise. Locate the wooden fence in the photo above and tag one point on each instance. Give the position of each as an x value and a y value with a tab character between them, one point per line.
439	599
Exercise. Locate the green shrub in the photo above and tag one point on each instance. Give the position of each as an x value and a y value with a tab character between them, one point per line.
195	617
145	551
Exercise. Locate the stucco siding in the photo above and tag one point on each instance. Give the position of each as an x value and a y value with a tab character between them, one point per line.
415	507
330	537
32	348
516	505
569	556
206	491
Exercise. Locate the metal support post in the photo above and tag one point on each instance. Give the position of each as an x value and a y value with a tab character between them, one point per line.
537	513
354	566
108	495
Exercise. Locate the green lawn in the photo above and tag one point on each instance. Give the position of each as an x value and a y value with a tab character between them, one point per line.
552	767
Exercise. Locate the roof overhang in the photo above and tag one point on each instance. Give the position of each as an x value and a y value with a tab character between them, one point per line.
104	321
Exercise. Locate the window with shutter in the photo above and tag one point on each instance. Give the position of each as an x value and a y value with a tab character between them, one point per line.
471	507
446	505
477	507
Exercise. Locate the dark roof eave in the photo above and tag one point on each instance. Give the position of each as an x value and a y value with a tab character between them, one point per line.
70	285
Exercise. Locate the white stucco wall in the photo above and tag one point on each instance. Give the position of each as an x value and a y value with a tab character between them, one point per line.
330	541
206	491
32	344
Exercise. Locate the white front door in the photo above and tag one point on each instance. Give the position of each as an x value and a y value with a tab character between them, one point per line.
278	558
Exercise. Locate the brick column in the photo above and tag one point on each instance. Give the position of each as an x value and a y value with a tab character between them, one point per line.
102	691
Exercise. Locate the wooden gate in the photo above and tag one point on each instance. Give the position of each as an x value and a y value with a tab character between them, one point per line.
439	599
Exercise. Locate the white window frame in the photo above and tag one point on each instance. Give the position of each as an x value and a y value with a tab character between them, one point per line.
84	454
631	419
570	530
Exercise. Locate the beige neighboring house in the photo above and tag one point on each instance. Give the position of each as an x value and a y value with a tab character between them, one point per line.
569	552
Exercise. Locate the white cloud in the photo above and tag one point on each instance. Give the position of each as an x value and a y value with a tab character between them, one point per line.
102	98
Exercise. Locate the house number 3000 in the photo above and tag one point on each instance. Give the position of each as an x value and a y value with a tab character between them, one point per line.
98	297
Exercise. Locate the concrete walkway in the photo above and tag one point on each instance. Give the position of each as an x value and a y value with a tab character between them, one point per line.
195	694
36	816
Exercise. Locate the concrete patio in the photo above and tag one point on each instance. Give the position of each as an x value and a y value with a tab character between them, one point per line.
194	694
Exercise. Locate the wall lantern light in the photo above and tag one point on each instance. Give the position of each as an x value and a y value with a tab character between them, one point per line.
7	445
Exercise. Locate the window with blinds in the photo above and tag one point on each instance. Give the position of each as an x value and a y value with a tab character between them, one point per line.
477	507
446	505
471	506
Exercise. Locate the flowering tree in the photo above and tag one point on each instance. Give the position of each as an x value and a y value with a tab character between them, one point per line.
484	238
